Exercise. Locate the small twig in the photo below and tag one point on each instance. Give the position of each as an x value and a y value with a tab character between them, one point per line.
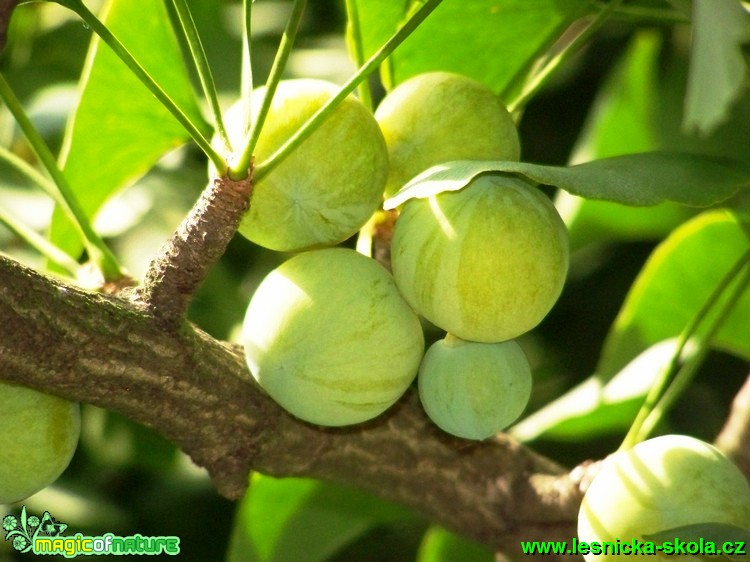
183	262
734	438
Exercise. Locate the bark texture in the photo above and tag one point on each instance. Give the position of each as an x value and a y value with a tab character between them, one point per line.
182	264
734	437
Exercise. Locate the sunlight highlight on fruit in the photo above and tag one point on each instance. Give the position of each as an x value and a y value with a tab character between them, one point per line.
660	484
330	338
485	263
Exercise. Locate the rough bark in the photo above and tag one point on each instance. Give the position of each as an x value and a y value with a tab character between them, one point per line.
183	262
197	392
734	438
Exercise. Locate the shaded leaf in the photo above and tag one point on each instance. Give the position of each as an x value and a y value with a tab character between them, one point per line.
640	179
718	69
303	519
623	120
119	130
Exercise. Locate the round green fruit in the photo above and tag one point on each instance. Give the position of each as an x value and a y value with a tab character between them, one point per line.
658	485
485	263
474	390
438	117
39	436
330	339
325	190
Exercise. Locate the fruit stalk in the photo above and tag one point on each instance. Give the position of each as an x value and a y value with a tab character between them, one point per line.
202	68
99	252
372	63
279	64
184	260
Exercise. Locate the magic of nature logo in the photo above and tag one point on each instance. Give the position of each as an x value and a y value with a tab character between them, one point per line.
44	536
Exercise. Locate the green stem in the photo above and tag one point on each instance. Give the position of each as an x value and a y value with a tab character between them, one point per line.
239	168
538	80
246	74
201	66
124	55
98	251
688	371
322	114
670	373
40	244
357	49
29	172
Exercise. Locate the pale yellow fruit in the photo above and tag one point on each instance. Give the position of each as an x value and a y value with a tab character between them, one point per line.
324	191
38	438
661	484
474	390
330	339
438	117
485	263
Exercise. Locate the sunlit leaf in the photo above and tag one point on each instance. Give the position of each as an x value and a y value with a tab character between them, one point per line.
302	519
673	285
492	41
119	129
598	406
440	545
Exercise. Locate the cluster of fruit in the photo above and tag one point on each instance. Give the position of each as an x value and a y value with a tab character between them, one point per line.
336	339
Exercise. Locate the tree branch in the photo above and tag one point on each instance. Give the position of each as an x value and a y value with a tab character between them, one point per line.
184	260
198	393
734	438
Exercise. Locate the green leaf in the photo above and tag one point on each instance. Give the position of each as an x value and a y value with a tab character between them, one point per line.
303	519
492	41
721	535
640	179
676	280
440	545
119	130
599	406
598	222
6	11
718	69
673	285
623	120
